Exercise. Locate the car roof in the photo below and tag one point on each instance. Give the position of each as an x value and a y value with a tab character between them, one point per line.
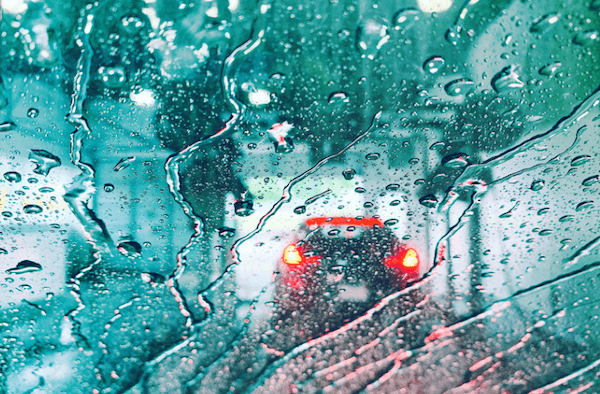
344	221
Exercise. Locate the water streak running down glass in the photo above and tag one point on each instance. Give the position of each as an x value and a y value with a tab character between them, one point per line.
264	196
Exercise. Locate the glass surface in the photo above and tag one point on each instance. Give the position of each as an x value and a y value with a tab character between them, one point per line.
281	196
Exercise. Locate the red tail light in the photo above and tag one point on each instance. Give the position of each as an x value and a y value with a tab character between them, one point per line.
291	255
405	259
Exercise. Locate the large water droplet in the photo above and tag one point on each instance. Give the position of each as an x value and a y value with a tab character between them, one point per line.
550	69
566	218
243	207
580	160
23	267
459	87
456	160
537	184
590	180
109	187
371	35
507	80
372	156
433	64
391	222
546	232
299	210
405	18
226	232
7	126
584	206
586	37
545	23
348	174
12	176
338	98
33	112
44	161
392	187
429	201
124	163
32	209
130	248
112	77
152	278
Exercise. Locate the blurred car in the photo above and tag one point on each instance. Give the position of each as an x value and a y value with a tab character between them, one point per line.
343	265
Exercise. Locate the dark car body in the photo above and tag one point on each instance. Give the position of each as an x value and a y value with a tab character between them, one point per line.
341	268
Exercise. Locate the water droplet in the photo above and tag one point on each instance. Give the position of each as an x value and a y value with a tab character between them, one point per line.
7	126
44	161
453	34
360	190
226	232
507	80
124	163
590	180
405	18
543	211
33	113
537	184
112	77
459	87
433	64
46	189
243	208
368	204
413	161
24	287
109	187
580	160
456	160
333	232
24	267
392	187
371	35
394	203
584	205
372	156
545	23
338	98
585	38
3	251
152	278
391	222
32	180
12	176
7	214
348	174
252	146
566	218
130	248
299	210
437	145
546	232
132	24
550	69
429	201
32	208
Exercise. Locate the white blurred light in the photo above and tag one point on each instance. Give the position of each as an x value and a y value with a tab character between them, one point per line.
259	97
434	5
14	6
144	98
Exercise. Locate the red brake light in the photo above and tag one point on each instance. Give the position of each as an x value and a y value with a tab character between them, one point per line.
292	256
406	259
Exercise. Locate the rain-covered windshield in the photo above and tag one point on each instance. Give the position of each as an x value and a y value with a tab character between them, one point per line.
281	196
